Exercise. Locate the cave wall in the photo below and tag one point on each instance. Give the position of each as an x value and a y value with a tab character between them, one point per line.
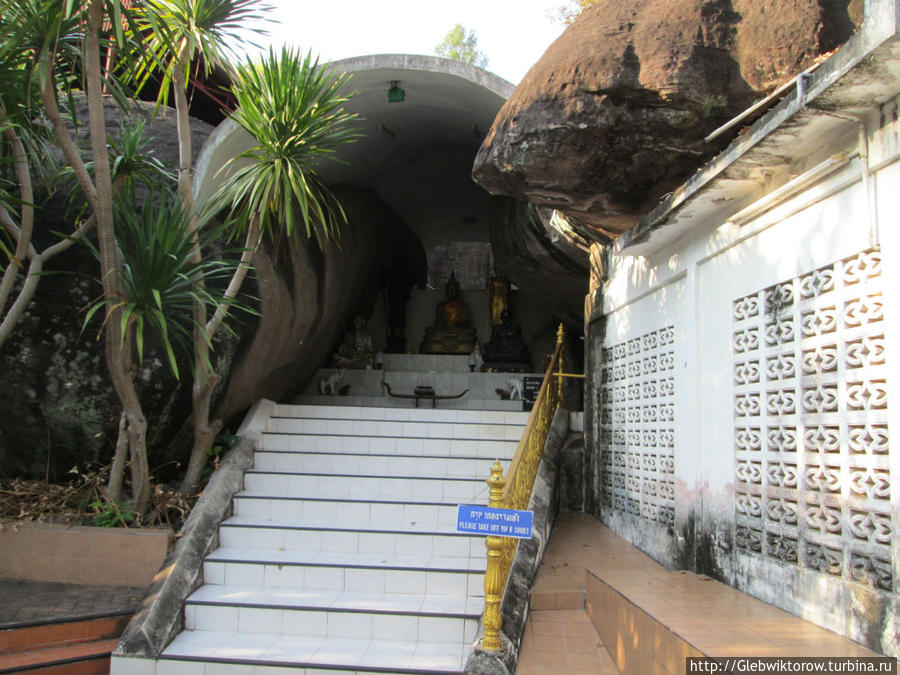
741	398
308	298
538	260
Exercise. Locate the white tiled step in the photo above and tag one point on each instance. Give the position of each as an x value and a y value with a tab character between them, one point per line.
240	532
269	654
315	613
402	414
339	463
400	513
353	572
385	428
308	605
278	484
389	445
465	404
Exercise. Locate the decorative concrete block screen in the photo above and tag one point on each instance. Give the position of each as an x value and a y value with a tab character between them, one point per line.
636	400
812	479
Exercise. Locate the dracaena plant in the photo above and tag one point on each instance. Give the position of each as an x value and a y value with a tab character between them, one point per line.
293	108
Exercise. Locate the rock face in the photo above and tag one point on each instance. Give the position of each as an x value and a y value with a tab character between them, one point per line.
308	298
614	114
59	409
537	260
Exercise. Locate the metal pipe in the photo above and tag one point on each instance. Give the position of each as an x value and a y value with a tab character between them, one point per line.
801	95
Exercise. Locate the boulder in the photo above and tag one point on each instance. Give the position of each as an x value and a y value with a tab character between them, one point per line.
614	114
59	408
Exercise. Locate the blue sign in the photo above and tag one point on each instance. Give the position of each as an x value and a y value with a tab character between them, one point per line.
495	522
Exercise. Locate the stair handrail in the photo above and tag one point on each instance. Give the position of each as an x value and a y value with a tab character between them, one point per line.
514	492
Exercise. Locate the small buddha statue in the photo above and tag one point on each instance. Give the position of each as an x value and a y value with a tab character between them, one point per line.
507	344
356	350
452	332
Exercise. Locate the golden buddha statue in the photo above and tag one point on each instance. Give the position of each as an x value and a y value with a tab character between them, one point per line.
452	332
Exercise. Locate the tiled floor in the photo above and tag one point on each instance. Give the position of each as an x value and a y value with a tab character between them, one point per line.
563	641
559	636
705	616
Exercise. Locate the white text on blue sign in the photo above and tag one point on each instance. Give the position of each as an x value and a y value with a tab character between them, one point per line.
494	522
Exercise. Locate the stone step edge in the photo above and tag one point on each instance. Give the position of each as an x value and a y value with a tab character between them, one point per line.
350	565
287	409
354	453
317	474
318	434
343	500
318	665
465	616
318	418
282	525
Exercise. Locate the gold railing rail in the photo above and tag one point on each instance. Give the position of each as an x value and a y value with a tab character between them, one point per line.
514	492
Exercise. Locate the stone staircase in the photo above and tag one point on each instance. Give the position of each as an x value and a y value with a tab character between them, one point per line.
342	553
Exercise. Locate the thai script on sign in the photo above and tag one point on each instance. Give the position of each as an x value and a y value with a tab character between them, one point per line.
485	520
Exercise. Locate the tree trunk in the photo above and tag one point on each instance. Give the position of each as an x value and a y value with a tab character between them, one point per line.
26	220
205	380
117	470
118	345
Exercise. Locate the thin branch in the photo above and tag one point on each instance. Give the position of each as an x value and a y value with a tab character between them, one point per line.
24	298
73	157
26	215
237	279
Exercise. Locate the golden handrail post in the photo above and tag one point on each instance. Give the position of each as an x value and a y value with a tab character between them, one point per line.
493	579
560	336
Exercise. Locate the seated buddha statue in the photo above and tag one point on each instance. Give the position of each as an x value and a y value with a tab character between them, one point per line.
356	350
507	344
452	332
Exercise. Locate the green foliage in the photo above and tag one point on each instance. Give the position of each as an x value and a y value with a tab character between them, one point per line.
461	45
171	33
224	440
293	108
112	514
133	163
713	105
46	39
40	37
159	271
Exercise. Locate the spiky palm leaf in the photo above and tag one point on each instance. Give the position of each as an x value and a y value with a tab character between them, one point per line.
294	110
172	33
159	275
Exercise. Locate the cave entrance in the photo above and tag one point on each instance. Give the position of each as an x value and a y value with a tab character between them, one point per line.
416	156
414	162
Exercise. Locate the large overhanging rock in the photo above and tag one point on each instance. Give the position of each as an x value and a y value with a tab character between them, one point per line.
614	114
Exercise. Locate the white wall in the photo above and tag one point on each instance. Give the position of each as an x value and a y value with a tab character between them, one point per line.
811	528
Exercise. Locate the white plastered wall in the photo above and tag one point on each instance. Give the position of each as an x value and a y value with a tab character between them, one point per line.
806	562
